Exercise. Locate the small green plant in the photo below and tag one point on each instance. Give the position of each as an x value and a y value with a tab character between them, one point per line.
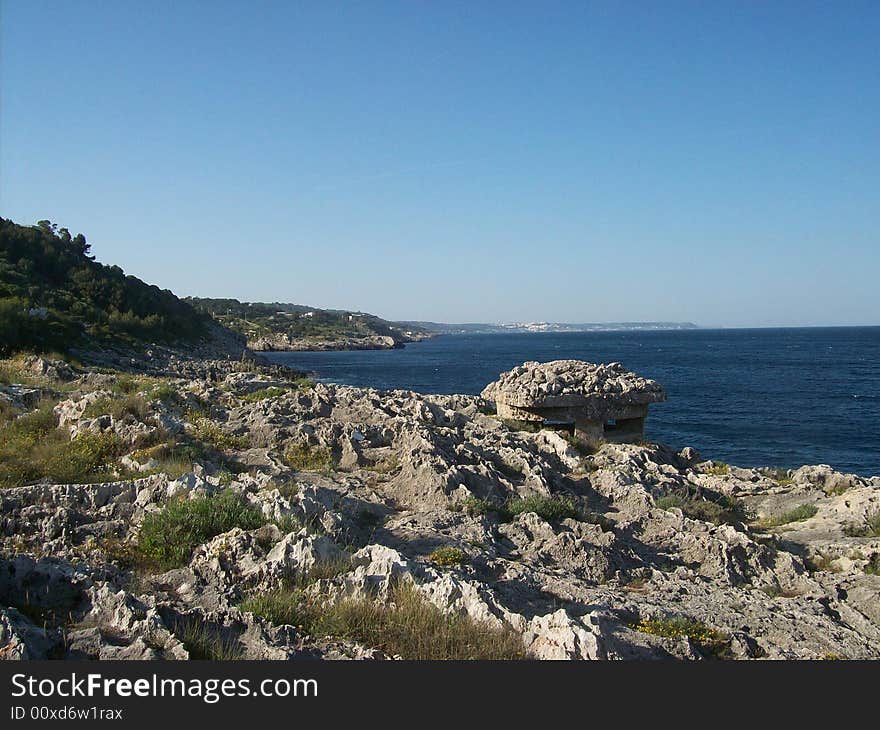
718	469
282	607
328	569
207	431
287	488
262	394
127	384
669	501
707	638
551	509
798	514
448	556
204	641
475	507
168	537
873	565
869	528
128	405
166	393
719	510
173	457
119	552
780	476
304	457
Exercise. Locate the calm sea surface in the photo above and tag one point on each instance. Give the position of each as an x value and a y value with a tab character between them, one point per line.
775	397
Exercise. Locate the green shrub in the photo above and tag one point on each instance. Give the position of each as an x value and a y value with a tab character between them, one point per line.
129	405
33	448
551	509
873	566
447	556
798	514
175	457
210	433
165	392
718	469
263	394
408	626
304	457
474	507
169	536
707	638
720	510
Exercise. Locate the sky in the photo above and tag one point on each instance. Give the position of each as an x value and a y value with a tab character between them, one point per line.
462	162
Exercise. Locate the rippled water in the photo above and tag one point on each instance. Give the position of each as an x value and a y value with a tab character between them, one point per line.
778	397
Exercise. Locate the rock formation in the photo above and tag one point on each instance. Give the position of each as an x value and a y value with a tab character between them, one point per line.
629	551
598	402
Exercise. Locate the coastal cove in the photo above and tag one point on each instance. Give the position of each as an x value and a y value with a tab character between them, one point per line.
777	397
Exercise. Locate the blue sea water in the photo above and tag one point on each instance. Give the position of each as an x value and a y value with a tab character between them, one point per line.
751	397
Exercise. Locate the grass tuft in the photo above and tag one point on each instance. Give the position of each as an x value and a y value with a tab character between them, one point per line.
263	394
128	405
210	433
33	448
408	626
869	528
551	509
474	507
720	511
168	537
304	457
798	514
205	642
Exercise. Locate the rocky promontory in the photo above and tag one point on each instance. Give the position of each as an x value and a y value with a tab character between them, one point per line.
231	512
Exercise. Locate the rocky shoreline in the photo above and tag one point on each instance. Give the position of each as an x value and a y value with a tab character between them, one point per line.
628	551
284	343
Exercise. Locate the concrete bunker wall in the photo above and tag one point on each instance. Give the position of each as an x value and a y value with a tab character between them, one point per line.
592	426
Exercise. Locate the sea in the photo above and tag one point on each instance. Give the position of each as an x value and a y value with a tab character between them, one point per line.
749	397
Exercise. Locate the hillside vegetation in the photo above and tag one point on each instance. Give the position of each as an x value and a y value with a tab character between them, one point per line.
54	295
297	323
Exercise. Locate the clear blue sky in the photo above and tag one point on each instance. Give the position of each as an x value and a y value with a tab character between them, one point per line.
480	161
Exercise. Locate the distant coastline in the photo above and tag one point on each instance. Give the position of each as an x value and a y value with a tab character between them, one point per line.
473	328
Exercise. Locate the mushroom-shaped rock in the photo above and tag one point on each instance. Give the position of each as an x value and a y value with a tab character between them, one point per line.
599	401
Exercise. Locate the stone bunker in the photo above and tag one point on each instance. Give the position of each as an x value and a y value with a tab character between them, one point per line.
595	402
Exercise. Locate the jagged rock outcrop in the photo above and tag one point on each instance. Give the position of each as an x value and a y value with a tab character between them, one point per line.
584	555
